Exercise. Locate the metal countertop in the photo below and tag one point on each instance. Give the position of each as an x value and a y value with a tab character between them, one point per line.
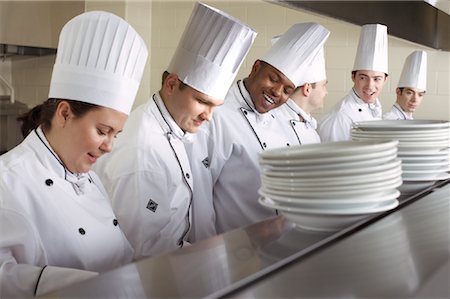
401	253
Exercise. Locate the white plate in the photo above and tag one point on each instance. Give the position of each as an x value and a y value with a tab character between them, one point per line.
424	159
332	194
426	177
390	125
337	180
340	200
365	157
402	139
424	165
318	221
423	152
344	171
324	188
383	206
403	132
326	150
330	166
437	170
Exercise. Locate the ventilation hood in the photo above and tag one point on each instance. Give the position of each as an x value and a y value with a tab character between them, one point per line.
420	22
13	50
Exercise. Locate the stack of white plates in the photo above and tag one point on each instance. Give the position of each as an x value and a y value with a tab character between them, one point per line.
424	148
328	186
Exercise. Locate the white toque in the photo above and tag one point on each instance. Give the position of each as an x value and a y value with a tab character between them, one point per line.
294	51
211	50
100	60
414	73
372	52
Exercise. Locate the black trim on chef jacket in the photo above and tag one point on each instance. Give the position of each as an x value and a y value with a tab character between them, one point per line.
244	111
292	122
168	135
401	111
59	161
38	280
254	132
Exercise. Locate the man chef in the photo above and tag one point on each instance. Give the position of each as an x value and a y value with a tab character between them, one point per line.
243	127
308	97
369	75
57	226
148	176
411	87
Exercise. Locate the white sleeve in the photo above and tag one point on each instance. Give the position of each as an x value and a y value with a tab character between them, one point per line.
20	255
335	128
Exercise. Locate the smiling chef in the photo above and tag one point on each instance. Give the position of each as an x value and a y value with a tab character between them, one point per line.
57	225
243	127
369	75
411	87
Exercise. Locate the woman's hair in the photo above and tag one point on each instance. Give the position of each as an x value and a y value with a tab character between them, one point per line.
42	115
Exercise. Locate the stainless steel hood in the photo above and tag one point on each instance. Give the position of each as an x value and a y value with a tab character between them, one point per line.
415	21
13	50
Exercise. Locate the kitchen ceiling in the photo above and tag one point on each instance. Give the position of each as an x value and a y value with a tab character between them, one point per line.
423	22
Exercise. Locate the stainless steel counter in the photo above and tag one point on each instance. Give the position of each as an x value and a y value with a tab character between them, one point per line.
402	253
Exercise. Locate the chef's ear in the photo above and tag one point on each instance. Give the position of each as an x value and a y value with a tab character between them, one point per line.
62	113
306	88
171	82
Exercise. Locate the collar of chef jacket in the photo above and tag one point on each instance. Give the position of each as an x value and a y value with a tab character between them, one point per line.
374	108
51	160
172	126
401	112
310	122
263	118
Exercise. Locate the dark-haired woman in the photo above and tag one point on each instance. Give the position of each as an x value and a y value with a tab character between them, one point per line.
56	221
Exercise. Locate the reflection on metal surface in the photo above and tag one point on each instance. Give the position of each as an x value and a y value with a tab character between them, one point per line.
393	257
415	21
393	254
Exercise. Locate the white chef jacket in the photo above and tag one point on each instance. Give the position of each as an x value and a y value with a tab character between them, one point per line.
52	229
149	180
302	123
336	125
234	138
396	113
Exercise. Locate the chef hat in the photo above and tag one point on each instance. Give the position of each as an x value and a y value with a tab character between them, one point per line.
100	60
372	53
316	70
211	50
295	49
414	73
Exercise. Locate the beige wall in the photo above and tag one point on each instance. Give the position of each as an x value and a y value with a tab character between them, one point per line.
161	23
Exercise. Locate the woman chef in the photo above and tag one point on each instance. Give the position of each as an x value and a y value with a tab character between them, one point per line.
56	221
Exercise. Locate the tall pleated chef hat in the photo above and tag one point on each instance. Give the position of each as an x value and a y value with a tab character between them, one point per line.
100	60
414	73
316	71
294	51
211	50
372	52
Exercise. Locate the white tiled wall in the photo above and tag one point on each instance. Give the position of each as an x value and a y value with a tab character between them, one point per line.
269	19
161	24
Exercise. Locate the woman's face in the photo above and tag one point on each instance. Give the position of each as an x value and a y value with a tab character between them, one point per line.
83	140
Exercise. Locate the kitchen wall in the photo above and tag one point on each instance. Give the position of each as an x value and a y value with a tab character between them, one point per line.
31	75
161	24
